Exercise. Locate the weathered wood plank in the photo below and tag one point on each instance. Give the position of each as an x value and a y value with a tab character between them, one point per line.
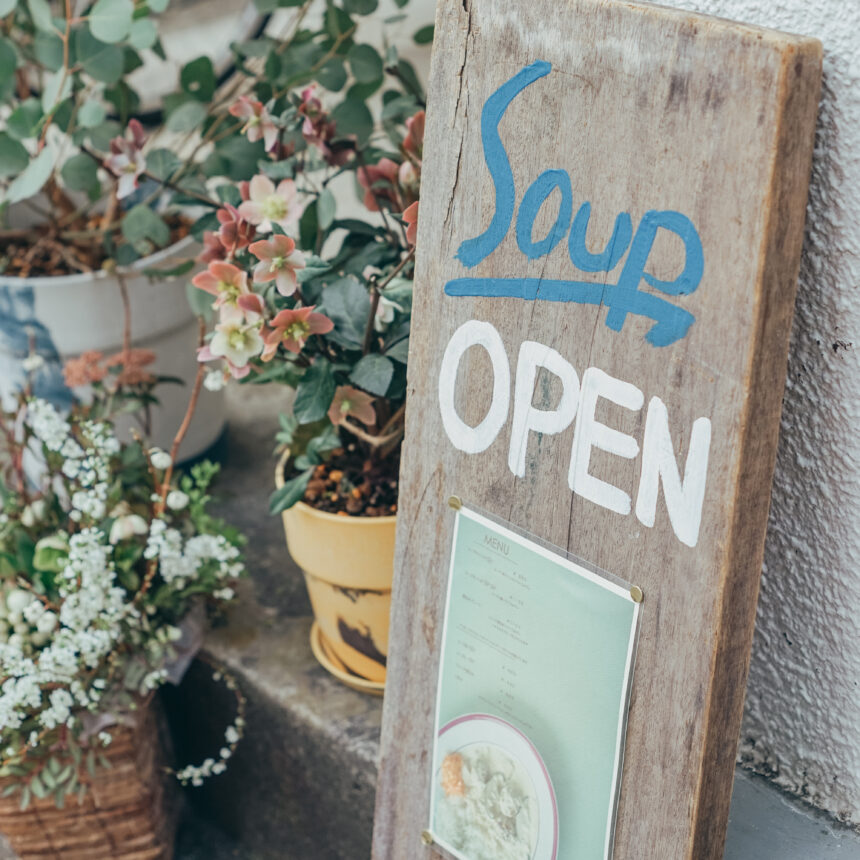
645	109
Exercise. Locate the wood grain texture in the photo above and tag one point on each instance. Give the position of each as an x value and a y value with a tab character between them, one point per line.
645	108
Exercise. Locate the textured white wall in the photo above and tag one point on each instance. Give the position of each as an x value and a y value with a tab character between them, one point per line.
802	722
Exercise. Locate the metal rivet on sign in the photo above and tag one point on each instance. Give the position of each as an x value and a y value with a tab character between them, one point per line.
636	594
426	835
455	502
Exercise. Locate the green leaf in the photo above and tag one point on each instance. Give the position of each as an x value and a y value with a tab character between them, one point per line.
33	177
100	61
91	114
337	21
187	116
314	267
6	6
424	36
365	62
141	223
24	120
315	392
199	301
102	134
48	50
162	163
58	85
332	75
290	493
373	373
353	118
198	78
326	209
143	34
110	20
13	156
400	351
409	77
80	173
40	12
360	7
37	787
400	3
347	304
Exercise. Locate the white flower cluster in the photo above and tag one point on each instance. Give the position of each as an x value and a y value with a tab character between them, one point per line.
179	565
82	633
195	774
87	464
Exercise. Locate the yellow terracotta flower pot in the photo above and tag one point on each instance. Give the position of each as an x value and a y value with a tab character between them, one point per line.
348	563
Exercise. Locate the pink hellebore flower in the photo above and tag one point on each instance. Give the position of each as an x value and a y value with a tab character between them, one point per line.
235	232
270	205
228	284
279	261
213	249
292	328
126	160
410	216
380	183
204	353
258	121
413	143
236	342
350	401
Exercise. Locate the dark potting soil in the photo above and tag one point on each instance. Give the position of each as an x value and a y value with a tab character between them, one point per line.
351	484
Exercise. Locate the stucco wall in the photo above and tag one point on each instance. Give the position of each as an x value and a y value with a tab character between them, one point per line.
802	721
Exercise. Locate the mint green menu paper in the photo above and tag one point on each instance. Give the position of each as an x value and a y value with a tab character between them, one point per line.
548	646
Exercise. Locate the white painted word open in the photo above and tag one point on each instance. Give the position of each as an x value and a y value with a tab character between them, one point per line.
684	496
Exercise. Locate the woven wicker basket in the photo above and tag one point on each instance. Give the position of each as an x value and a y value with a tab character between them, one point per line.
128	813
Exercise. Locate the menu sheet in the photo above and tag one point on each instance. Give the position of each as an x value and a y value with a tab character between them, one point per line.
535	672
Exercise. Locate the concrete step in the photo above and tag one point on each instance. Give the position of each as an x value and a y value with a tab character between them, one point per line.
301	786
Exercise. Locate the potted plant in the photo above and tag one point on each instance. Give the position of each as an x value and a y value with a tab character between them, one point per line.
312	290
93	225
109	565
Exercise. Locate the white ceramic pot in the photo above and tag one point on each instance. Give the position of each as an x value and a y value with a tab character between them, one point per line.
66	315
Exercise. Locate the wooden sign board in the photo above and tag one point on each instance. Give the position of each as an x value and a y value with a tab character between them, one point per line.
610	229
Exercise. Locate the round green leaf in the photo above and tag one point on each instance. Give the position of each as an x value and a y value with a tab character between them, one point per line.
57	86
33	178
110	20
91	114
142	224
360	7
40	12
13	156
332	75
8	59
198	78
424	36
187	116
365	62
353	118
24	121
161	163
101	61
48	50
80	173
144	34
6	6
326	208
